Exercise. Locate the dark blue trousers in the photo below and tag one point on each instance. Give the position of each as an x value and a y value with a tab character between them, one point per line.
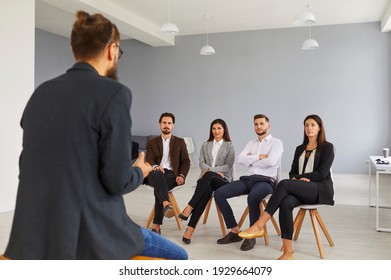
257	187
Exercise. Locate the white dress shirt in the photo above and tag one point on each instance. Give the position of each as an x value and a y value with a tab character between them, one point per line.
310	162
215	150
270	146
166	163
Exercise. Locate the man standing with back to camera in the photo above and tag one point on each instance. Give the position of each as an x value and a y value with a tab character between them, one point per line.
76	164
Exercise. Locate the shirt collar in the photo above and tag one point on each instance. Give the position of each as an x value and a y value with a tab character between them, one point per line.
168	139
267	138
219	142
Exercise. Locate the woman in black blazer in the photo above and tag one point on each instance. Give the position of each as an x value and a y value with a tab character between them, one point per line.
310	183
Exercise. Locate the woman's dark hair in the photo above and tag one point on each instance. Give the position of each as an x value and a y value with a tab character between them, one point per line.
321	139
91	34
225	127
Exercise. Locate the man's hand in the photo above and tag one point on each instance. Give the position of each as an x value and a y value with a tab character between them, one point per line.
144	166
179	180
305	179
160	168
261	156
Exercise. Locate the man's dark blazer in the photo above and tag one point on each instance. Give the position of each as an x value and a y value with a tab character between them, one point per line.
321	174
179	156
74	169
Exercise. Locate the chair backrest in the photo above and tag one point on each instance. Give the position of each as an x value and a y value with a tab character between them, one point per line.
279	174
189	144
315	206
233	173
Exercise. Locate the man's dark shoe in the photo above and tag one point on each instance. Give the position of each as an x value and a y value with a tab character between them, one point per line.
248	244
168	211
158	231
229	238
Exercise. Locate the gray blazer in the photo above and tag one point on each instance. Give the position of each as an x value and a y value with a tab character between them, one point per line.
224	162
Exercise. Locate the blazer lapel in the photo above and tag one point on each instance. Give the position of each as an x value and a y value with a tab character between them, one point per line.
172	144
160	145
222	148
210	157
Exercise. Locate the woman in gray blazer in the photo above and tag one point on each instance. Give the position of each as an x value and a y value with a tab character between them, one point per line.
217	157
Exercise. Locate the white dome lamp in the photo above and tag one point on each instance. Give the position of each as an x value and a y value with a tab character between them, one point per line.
169	28
207	49
305	17
310	44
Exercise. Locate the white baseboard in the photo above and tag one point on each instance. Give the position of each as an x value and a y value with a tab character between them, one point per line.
7	207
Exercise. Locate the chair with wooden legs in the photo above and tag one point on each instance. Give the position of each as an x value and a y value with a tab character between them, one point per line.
262	207
315	220
174	205
2	258
219	215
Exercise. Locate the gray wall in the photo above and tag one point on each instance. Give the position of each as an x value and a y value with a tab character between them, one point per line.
53	55
346	82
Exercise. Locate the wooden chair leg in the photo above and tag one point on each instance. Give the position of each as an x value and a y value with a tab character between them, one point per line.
3	258
298	223
275	224
150	217
325	231
315	220
244	216
207	209
266	235
316	232
176	209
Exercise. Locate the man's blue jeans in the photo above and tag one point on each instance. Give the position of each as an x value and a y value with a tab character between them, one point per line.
158	246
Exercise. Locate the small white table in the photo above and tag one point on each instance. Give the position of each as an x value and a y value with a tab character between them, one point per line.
380	169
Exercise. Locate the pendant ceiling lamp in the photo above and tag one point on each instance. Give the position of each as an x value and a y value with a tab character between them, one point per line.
207	49
306	17
169	28
310	44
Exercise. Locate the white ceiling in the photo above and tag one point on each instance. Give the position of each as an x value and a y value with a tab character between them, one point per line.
141	19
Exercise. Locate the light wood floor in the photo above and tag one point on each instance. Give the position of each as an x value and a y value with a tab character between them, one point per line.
351	224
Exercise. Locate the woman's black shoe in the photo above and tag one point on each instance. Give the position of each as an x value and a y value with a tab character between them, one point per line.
186	240
184	218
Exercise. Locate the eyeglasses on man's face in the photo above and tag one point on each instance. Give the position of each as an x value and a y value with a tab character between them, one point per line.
120	51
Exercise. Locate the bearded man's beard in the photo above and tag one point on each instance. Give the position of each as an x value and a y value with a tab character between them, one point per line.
112	73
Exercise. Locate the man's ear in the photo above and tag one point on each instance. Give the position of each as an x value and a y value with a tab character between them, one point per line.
111	48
